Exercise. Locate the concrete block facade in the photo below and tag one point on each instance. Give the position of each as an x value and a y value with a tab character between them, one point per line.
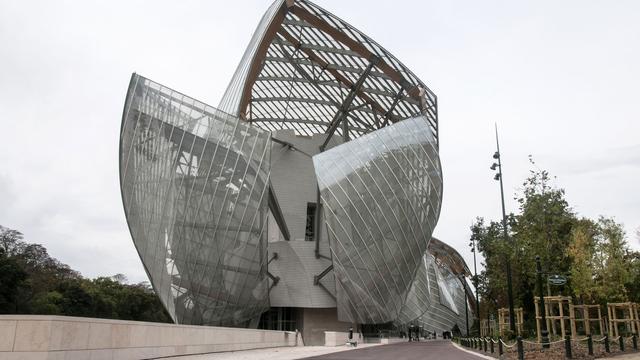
316	322
35	337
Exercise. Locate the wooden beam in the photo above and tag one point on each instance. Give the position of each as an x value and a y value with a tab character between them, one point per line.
336	34
258	57
336	74
341	115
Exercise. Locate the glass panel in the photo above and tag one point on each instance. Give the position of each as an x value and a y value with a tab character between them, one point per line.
194	183
381	197
447	300
310	225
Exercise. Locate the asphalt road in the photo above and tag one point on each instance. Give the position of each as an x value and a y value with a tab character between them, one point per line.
424	350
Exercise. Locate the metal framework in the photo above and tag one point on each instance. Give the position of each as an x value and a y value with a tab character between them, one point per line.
381	193
437	297
306	69
197	191
191	174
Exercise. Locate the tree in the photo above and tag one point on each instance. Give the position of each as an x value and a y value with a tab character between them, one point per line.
11	241
633	285
49	303
33	282
490	243
594	255
12	277
541	227
581	251
612	260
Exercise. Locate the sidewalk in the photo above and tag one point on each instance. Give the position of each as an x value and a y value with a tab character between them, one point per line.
279	353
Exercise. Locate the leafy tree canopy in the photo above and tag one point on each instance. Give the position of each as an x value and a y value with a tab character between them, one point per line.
593	254
32	282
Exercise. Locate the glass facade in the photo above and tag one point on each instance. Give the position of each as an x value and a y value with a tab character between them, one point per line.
447	302
194	182
419	299
381	195
281	318
310	224
445	309
199	196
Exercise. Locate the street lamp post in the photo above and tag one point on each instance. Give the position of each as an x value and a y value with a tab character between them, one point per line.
498	176
466	301
544	332
475	282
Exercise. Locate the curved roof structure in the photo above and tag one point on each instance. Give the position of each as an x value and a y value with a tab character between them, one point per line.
308	70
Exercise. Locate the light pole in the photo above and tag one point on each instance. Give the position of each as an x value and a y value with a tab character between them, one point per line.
472	244
498	176
466	301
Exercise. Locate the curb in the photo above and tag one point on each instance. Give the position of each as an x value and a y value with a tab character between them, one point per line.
472	352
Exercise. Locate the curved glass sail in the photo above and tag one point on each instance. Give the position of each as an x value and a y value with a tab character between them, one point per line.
194	183
381	195
419	298
447	300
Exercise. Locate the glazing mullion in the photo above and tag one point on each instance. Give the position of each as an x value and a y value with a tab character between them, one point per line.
383	213
221	142
259	211
231	219
201	239
393	192
351	204
346	178
336	258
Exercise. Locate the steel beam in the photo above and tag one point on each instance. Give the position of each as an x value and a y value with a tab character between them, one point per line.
346	103
356	46
330	69
317	278
274	206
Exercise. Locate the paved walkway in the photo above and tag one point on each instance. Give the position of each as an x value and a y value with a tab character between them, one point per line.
424	350
279	353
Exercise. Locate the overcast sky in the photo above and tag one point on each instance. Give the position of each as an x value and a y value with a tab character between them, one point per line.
561	79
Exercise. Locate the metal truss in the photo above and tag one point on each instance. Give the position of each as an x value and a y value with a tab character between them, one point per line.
304	64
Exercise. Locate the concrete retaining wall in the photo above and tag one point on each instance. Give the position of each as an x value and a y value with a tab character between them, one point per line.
337	338
60	337
392	340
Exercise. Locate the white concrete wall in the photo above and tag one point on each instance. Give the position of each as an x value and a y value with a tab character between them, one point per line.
338	338
335	338
316	322
392	340
294	183
60	337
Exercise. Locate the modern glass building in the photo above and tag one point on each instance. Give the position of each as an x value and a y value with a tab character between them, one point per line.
306	200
